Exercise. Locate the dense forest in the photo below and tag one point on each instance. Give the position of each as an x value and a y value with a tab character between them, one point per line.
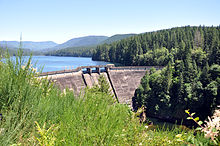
190	78
117	37
84	51
157	48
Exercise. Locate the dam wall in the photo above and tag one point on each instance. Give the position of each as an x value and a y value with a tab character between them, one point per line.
73	81
123	81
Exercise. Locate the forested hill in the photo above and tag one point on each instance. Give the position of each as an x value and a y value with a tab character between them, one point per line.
84	49
190	78
116	37
157	48
79	42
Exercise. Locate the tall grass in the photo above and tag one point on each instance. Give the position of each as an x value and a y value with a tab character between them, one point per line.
20	94
35	112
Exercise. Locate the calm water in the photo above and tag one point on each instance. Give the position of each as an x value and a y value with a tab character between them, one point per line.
53	63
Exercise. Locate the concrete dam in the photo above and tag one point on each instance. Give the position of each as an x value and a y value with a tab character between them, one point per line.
123	81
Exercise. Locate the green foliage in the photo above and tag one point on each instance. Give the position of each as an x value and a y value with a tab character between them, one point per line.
190	79
160	47
163	92
85	51
102	86
34	112
211	129
194	119
20	91
46	136
116	37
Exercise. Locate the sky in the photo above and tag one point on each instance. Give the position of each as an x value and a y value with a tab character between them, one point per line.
61	20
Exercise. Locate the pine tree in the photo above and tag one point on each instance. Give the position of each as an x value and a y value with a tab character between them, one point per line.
205	76
145	83
188	72
168	76
103	85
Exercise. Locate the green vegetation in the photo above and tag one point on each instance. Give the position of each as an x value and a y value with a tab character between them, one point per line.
190	79
211	128
116	37
79	42
160	47
34	112
73	52
167	93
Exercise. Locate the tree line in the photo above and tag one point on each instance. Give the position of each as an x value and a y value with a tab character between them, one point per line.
157	48
73	52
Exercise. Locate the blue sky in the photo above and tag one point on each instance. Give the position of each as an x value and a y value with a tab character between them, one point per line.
61	20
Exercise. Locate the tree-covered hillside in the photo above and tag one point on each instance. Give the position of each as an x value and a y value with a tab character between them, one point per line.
84	51
190	79
156	48
79	42
116	37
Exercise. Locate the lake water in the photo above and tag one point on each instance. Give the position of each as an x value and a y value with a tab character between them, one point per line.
54	63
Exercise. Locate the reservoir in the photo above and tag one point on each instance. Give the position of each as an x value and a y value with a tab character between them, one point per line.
55	63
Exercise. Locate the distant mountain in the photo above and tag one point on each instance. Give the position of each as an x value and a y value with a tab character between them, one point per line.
81	41
81	46
5	45
84	50
33	46
116	37
13	50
